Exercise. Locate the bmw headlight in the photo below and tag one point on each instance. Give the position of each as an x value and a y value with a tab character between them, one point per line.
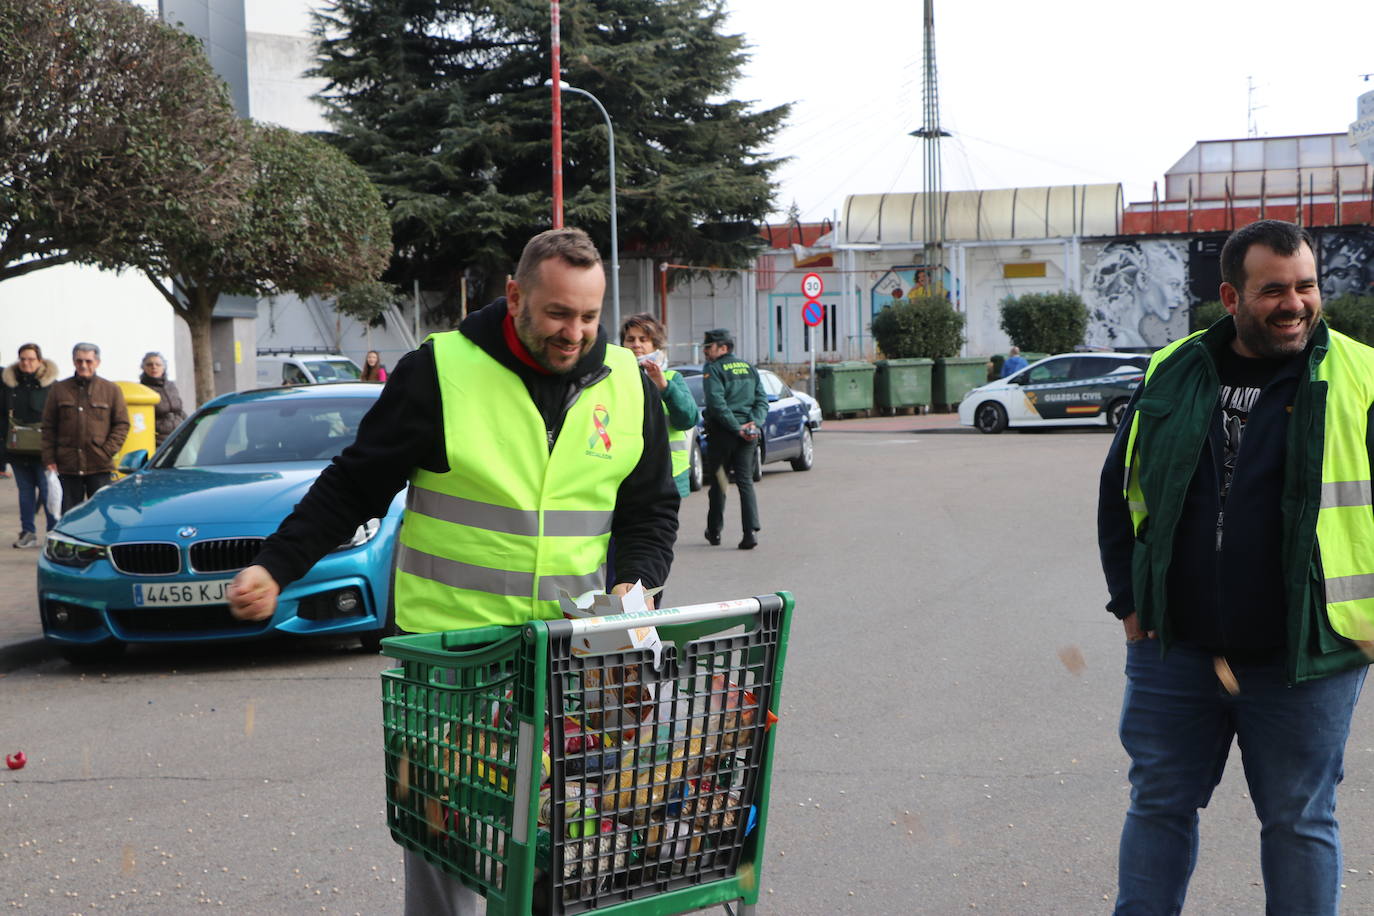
366	532
69	551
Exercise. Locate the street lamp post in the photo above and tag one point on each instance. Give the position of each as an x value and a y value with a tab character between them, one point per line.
615	238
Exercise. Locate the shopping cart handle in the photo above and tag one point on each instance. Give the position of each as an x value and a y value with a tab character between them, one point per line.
716	610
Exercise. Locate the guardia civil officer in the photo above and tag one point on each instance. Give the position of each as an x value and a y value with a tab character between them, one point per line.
736	408
524	420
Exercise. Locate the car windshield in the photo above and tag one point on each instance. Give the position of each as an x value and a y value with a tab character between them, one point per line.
694	385
772	385
333	370
271	430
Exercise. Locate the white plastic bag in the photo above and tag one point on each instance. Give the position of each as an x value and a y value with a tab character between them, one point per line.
54	493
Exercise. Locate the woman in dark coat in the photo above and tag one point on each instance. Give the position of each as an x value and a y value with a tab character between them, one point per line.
168	413
23	393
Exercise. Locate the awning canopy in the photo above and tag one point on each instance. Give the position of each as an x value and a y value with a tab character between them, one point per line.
996	215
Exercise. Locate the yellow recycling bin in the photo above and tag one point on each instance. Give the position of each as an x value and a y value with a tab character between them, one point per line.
141	400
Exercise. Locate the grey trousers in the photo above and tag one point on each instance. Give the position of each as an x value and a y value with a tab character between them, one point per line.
431	891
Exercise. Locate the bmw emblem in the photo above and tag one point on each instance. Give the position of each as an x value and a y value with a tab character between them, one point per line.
187	532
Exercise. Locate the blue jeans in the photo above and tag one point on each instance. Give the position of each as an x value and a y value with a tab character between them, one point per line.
1177	722
30	479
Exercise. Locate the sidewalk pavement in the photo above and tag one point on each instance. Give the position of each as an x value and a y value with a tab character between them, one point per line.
21	633
902	423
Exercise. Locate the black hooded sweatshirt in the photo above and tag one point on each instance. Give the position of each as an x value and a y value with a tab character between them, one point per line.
404	431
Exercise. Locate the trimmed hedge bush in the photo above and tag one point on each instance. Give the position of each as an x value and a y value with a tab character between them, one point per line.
928	327
1352	314
1045	322
1206	314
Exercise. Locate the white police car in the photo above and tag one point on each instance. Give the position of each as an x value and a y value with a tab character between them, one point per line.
1064	390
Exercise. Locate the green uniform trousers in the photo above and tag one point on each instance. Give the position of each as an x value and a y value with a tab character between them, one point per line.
726	451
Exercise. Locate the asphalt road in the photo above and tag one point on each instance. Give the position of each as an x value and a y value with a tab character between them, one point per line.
948	739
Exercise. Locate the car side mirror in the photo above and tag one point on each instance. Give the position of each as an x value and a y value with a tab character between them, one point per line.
134	461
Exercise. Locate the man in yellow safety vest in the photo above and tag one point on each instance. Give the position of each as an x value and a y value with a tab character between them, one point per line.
1235	525
527	442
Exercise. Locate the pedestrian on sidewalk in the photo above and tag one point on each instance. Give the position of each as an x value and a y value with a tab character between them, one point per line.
85	421
736	408
1014	362
1242	577
168	412
24	387
373	370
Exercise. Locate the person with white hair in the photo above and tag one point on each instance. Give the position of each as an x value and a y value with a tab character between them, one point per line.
167	413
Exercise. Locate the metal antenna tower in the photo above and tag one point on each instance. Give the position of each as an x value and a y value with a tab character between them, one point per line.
1251	128
931	132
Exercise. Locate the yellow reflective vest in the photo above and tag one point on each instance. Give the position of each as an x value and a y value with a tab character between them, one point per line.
512	522
1329	424
677	438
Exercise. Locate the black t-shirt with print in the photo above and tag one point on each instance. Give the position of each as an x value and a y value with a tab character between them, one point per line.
1242	380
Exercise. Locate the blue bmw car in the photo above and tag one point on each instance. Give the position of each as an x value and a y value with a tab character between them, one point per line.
147	559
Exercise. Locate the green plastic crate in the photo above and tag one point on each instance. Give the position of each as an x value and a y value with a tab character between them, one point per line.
679	813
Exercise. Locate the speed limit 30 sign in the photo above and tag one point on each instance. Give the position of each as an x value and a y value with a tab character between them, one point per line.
812	286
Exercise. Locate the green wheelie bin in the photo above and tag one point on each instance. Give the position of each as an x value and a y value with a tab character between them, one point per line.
845	387
899	383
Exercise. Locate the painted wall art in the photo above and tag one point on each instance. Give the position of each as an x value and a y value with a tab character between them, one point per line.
1136	291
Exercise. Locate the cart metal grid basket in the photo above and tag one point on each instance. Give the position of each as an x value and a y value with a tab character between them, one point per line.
655	775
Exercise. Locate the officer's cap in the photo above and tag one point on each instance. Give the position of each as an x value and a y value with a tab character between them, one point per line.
718	336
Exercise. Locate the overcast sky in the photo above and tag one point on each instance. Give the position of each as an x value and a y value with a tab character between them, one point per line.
1054	92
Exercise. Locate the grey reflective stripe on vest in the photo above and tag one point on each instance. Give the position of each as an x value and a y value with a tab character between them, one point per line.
1349	588
504	520
1345	493
463	575
549	586
677	445
568	523
492	581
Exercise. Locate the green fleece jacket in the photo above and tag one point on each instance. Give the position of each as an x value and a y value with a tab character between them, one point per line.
734	394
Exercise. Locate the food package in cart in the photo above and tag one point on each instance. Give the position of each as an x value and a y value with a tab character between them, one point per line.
734	711
616	698
600	604
616	701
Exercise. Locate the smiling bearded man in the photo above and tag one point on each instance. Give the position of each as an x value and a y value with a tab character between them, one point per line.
1232	511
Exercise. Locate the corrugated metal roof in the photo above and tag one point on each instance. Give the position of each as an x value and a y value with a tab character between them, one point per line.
992	215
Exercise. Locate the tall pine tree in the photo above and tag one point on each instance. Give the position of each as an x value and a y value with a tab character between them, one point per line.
444	104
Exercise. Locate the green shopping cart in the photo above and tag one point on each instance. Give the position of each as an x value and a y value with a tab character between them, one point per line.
570	766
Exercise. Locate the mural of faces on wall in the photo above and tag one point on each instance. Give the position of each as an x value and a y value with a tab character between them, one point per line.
1346	265
1136	292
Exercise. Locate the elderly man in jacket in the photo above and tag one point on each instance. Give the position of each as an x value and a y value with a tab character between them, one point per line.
1234	522
85	421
